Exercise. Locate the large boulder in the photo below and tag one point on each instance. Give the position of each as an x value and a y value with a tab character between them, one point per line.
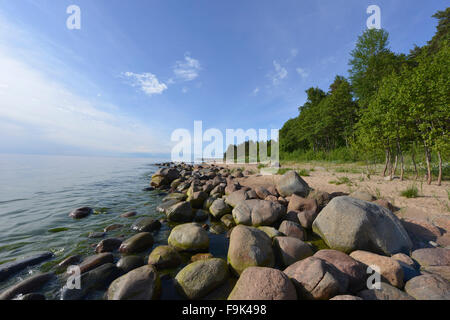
95	279
258	283
355	270
347	224
199	278
139	284
219	208
249	247
257	212
164	177
389	268
189	237
233	199
163	257
180	212
10	268
315	279
291	183
291	250
31	284
432	257
137	243
428	287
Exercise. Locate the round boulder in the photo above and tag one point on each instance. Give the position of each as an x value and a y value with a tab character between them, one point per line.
189	237
164	257
199	278
291	183
259	283
137	243
139	284
347	224
257	212
249	247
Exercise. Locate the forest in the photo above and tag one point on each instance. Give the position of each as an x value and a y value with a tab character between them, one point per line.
392	105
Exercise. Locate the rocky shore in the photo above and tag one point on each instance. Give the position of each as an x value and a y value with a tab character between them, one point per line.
284	239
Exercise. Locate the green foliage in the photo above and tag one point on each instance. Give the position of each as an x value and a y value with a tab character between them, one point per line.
391	105
341	180
410	192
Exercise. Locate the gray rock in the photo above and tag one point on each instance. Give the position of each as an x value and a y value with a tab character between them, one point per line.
199	278
94	279
146	224
189	237
258	283
291	250
249	247
219	208
201	215
292	229
291	183
315	279
386	292
428	287
10	268
233	199
164	257
180	212
347	224
27	286
137	243
128	263
139	284
108	245
81	213
258	212
95	261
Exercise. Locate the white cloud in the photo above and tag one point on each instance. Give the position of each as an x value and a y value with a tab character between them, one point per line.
256	91
39	109
294	53
188	69
302	73
147	82
280	73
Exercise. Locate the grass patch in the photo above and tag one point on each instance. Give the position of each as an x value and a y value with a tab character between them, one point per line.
410	192
262	165
341	180
282	171
303	172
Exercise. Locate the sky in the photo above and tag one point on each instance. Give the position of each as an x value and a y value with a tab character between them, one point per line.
136	70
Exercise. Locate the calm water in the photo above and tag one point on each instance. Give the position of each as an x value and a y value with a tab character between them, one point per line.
38	192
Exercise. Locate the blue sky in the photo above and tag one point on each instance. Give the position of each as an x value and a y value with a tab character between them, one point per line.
137	70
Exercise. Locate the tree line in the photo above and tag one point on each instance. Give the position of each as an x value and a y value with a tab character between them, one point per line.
391	104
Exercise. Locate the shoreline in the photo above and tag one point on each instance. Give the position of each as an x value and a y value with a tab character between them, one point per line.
203	203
